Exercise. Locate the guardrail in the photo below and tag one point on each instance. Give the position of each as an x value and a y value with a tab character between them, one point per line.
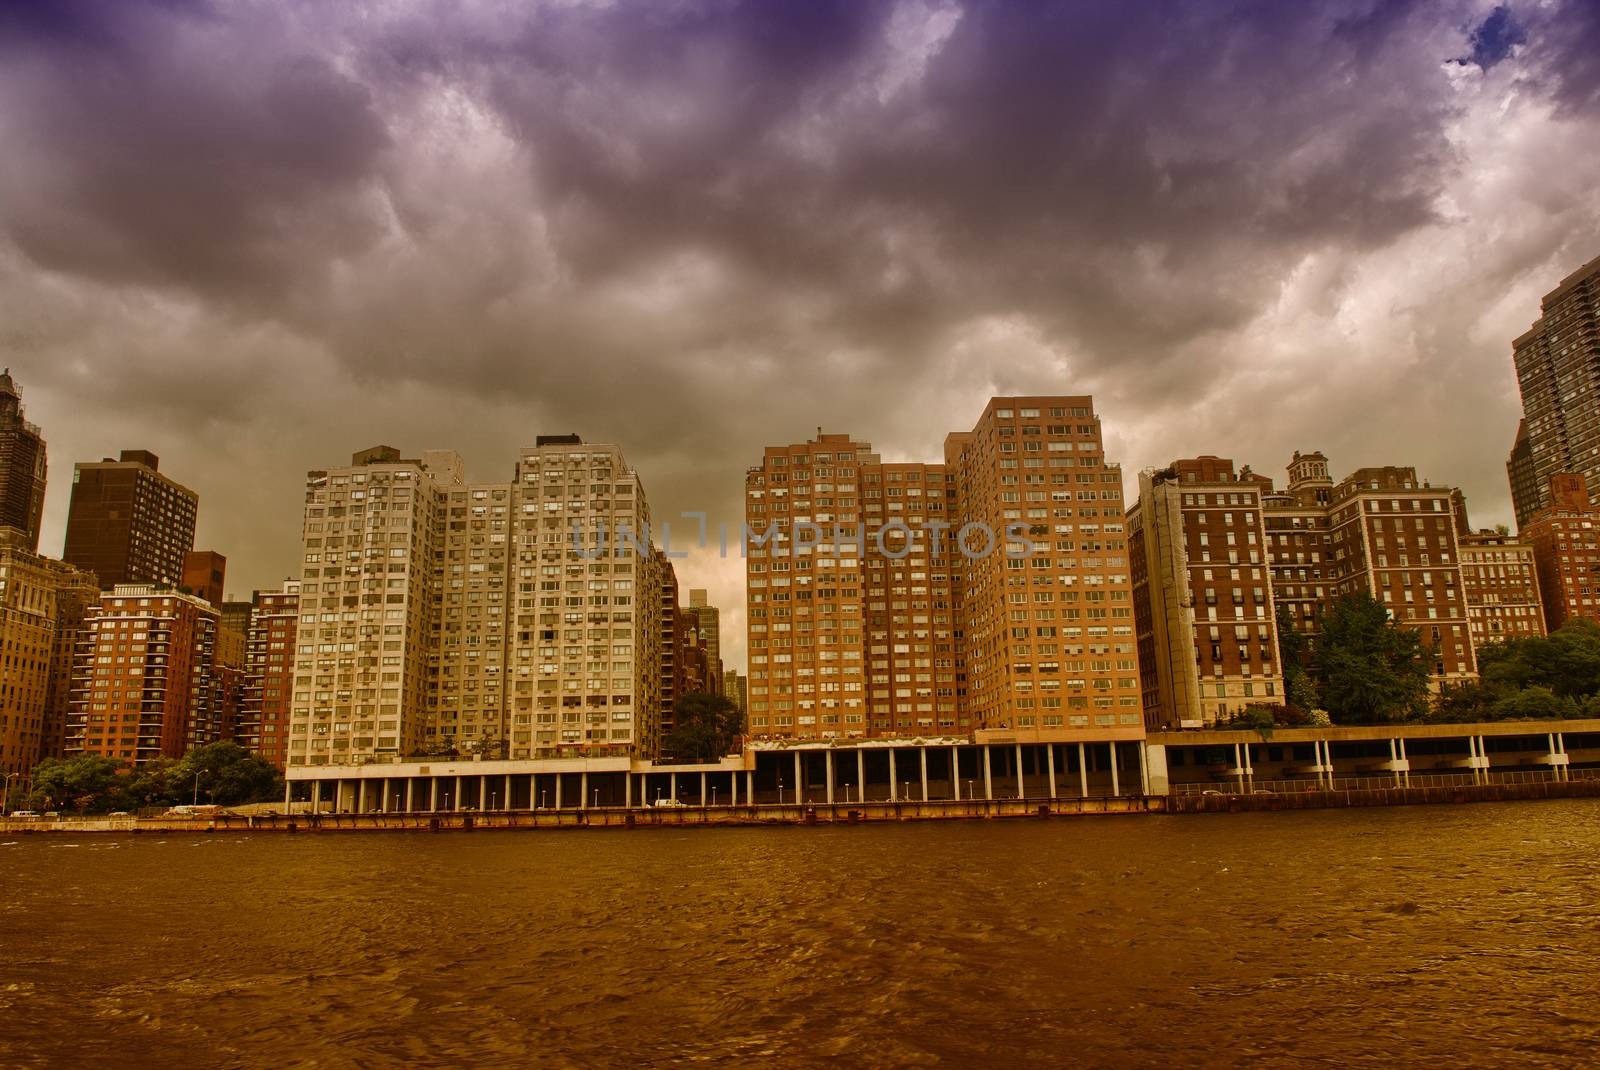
1248	785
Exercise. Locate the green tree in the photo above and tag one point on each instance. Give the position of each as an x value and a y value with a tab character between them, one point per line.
88	783
1368	669
1300	690
705	726
1534	703
229	775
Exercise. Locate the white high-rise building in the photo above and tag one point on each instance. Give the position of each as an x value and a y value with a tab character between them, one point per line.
442	617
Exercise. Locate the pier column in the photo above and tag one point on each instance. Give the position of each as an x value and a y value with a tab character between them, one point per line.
922	752
702	788
1144	769
1407	761
799	780
733	788
750	786
1566	761
828	773
288	797
456	798
1022	785
1050	766
411	793
1116	788
672	786
316	796
988	775
1083	771
383	797
627	790
861	775
1394	762
894	784
955	773
559	779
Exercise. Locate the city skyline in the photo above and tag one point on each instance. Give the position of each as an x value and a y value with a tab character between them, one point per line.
855	215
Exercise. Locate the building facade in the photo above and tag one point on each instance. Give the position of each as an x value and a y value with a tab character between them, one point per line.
205	574
23	467
128	523
1566	553
1202	593
1047	615
501	619
266	704
1501	582
805	592
988	593
1558	373
708	622
41	609
145	681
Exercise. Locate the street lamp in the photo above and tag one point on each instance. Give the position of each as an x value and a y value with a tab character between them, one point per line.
196	799
541	798
493	798
5	803
597	798
780	789
969	789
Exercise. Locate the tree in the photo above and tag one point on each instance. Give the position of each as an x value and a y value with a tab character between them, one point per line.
1368	669
88	782
705	726
1300	691
229	775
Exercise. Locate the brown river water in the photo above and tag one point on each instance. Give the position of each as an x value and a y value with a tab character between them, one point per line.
1440	936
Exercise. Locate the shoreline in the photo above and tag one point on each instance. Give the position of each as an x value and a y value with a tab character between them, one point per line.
803	815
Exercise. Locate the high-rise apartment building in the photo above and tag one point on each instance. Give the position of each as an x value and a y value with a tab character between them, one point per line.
128	523
41	608
1202	594
1047	615
1565	536
500	619
145	681
76	593
805	592
708	621
675	626
912	635
733	687
1379	530
1558	371
587	648
371	534
1501	583
22	466
267	700
990	592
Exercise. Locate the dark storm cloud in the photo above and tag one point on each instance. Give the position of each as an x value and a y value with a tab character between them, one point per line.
268	232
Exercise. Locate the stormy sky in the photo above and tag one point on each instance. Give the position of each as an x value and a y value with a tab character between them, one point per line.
256	237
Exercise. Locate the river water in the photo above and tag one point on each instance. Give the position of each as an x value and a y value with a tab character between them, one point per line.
1451	936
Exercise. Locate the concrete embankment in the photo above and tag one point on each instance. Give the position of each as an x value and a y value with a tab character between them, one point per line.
822	814
607	817
1396	796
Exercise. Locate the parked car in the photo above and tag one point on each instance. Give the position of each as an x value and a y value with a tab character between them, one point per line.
24	813
669	802
119	813
52	813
